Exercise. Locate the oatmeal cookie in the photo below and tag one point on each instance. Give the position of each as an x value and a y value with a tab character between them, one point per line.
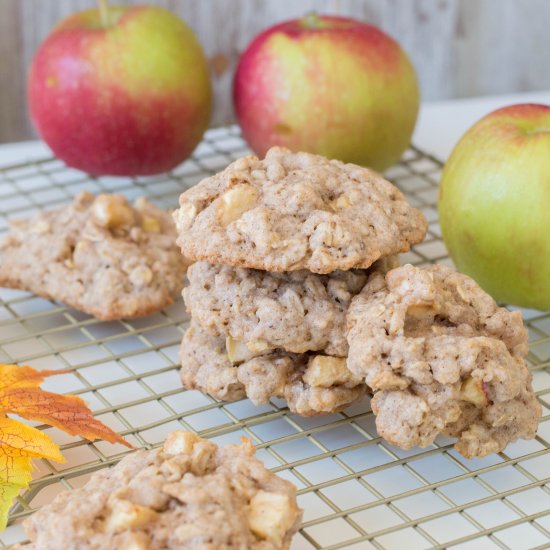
441	357
295	211
229	370
100	255
189	494
296	311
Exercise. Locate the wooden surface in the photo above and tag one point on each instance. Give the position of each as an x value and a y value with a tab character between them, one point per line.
460	48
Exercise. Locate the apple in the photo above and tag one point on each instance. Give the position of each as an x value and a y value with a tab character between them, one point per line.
124	91
328	85
494	204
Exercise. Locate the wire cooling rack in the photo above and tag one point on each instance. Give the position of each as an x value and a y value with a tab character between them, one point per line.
357	491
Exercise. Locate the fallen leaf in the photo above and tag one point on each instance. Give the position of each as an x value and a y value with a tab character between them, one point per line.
8	491
66	412
20	394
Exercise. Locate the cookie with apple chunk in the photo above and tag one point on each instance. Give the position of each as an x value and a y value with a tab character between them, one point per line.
311	383
188	494
442	358
293	211
100	255
296	311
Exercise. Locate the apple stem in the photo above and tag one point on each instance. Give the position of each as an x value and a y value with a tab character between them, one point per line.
311	20
104	12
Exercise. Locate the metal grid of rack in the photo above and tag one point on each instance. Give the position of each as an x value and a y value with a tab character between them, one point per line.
357	491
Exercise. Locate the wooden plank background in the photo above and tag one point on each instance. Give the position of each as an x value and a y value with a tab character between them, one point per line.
460	47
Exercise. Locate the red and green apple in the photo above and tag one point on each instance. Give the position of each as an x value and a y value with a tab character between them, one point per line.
329	85
124	91
494	204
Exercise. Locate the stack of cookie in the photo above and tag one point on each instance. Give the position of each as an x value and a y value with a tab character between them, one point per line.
281	246
296	293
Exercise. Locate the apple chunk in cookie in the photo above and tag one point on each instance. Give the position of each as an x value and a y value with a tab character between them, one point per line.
311	383
441	357
101	255
188	494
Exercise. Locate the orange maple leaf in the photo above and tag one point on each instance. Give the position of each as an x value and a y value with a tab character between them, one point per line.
19	443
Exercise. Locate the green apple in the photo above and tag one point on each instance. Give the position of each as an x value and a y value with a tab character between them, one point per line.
328	85
123	90
494	204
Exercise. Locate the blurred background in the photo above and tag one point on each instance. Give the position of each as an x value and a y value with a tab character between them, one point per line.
460	48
